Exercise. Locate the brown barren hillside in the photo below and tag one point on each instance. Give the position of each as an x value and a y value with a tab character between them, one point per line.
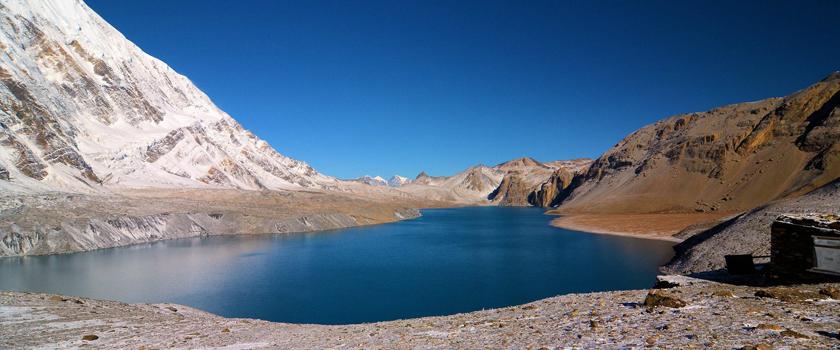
729	159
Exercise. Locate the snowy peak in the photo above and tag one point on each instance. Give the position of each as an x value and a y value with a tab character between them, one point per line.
82	108
394	181
398	181
372	180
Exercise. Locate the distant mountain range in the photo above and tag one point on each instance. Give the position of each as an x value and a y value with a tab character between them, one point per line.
394	181
397	181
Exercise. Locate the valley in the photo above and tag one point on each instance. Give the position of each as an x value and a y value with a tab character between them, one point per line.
138	129
123	166
94	130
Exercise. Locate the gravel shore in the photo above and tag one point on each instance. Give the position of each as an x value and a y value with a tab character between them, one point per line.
698	314
647	226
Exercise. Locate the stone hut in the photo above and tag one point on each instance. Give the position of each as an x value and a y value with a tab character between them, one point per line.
805	248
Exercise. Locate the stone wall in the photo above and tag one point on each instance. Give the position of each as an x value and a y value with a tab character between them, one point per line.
792	246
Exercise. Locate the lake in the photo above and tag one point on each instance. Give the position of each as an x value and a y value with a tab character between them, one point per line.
447	261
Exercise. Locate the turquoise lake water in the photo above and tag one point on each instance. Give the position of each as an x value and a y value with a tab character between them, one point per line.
447	261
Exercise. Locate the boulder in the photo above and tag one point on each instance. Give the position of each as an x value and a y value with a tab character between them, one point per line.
658	297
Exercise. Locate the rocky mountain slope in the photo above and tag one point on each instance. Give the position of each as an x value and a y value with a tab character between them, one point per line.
728	159
82	108
102	145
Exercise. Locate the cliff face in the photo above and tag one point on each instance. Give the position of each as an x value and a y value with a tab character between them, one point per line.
731	158
553	191
512	191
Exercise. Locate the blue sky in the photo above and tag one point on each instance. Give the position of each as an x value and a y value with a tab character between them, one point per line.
385	87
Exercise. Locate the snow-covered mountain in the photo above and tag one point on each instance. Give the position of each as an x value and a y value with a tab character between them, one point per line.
372	180
394	181
398	181
82	108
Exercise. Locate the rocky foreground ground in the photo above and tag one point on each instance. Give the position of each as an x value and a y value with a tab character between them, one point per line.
697	314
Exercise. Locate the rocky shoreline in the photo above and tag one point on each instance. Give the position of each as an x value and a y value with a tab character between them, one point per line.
65	223
696	314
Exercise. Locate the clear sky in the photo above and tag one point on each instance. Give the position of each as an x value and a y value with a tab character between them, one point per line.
383	87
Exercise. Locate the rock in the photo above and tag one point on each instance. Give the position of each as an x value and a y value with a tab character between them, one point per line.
670	281
787	294
512	191
171	309
90	337
657	297
226	330
831	292
771	327
793	334
764	294
56	298
723	293
757	347
552	190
